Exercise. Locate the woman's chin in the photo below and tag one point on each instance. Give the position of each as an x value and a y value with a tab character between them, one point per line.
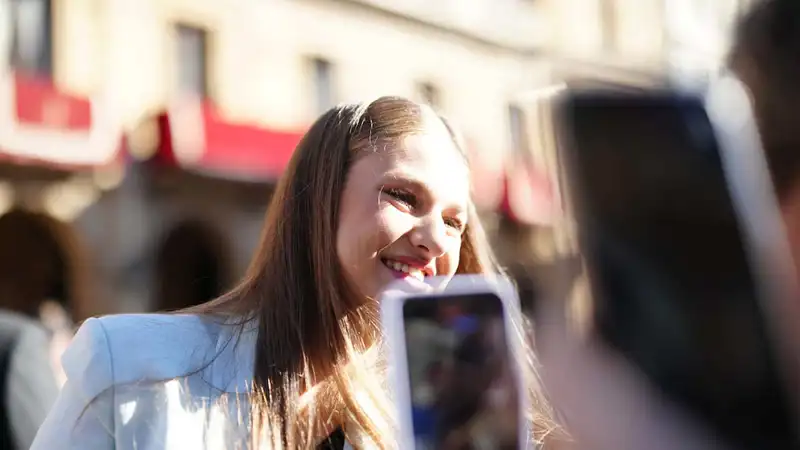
411	285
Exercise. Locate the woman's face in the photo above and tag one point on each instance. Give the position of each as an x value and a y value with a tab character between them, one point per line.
403	211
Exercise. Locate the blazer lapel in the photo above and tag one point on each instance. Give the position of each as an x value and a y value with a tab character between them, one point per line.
232	369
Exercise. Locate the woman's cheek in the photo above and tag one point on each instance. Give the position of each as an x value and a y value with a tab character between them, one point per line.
449	265
393	223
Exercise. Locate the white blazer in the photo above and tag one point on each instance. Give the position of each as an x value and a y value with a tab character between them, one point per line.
153	382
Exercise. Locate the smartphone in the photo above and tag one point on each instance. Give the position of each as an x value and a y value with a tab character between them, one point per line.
455	365
685	252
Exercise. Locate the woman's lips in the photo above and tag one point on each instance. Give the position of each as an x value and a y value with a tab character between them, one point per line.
401	270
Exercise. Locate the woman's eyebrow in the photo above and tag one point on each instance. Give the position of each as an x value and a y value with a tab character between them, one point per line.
409	179
421	186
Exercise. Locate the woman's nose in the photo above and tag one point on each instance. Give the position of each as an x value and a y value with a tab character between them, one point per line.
430	235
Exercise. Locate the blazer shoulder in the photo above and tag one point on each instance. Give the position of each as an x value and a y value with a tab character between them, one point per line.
131	348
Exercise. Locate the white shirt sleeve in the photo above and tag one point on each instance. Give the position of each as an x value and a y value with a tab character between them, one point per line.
83	415
31	387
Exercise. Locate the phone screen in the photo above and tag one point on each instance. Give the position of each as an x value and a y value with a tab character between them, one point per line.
673	289
463	387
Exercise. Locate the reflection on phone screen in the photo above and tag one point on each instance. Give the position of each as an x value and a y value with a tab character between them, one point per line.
463	387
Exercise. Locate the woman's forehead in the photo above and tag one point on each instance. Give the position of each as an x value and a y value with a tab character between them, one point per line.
425	160
433	151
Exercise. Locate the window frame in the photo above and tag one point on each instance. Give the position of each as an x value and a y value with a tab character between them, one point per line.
44	62
201	87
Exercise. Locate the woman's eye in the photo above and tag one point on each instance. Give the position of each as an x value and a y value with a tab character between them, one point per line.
403	196
455	223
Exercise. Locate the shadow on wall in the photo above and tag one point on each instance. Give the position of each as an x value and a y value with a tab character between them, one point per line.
41	260
193	266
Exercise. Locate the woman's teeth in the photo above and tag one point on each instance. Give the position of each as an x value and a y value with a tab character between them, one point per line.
400	267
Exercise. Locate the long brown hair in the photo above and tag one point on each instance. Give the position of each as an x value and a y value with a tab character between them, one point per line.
314	330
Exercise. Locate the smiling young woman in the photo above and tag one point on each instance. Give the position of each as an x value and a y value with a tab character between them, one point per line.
374	192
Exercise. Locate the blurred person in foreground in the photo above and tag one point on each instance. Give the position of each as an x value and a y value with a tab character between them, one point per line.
609	405
29	386
57	321
290	358
766	58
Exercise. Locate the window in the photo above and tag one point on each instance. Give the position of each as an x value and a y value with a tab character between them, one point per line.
323	84
743	6
429	94
519	137
192	69
608	17
32	36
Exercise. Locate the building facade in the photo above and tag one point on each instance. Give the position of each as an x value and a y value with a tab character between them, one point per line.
146	135
140	139
632	42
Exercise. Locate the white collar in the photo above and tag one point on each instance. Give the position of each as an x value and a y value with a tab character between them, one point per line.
232	370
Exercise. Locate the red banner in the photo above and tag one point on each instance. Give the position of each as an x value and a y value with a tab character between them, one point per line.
40	124
197	138
39	103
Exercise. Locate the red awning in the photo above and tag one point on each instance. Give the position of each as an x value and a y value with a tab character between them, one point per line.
39	124
486	170
529	196
195	137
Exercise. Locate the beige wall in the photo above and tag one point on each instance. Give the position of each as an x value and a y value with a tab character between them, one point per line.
123	49
613	36
682	38
700	33
516	23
